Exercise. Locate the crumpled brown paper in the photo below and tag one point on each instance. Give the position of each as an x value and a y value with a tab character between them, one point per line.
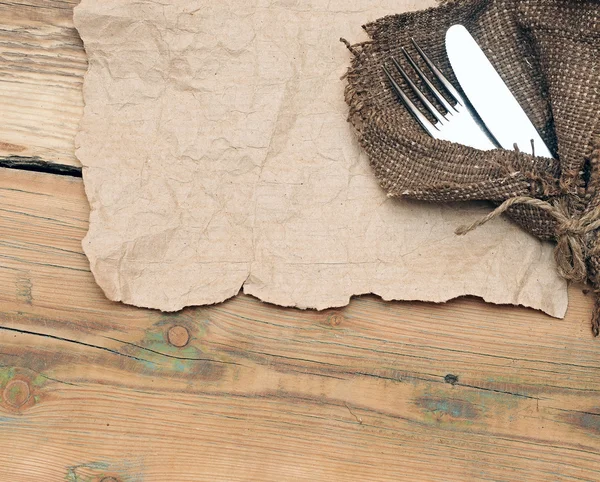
217	155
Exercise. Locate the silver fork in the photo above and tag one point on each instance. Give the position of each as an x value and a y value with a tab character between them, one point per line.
457	124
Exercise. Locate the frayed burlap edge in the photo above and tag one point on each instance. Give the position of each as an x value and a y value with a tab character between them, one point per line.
570	220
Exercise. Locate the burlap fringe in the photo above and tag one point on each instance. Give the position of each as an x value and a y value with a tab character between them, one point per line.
553	200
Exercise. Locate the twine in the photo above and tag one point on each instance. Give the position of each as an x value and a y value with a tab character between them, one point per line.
571	248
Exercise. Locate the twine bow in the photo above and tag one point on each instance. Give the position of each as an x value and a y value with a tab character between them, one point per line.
571	249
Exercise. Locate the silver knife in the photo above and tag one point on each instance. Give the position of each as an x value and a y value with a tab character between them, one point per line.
489	95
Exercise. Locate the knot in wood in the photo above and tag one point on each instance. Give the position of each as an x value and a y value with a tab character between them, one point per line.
16	393
335	319
178	336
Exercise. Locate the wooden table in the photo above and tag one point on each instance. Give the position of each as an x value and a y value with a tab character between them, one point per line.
92	390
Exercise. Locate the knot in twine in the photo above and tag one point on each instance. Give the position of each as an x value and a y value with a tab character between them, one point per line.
571	249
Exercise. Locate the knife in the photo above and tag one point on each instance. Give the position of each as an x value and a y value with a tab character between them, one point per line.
489	95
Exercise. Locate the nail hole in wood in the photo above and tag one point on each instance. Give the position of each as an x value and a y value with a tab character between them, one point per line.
451	379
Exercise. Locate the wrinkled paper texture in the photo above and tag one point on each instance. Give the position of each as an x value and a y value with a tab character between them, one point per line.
217	156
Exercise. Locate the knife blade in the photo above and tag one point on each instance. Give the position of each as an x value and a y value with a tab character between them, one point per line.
490	96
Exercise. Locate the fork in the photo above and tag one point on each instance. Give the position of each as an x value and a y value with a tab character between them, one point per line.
458	123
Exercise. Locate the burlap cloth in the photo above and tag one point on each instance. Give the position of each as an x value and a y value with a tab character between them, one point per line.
547	51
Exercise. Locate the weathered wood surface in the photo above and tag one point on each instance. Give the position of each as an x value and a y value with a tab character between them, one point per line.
95	391
42	63
92	389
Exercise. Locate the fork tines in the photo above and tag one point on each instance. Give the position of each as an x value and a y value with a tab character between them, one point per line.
450	108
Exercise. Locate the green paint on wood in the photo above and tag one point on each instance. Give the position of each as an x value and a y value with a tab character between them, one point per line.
6	374
463	404
73	475
447	410
39	381
179	366
14	394
191	360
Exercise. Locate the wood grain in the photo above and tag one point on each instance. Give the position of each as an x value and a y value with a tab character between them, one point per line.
42	63
95	391
377	391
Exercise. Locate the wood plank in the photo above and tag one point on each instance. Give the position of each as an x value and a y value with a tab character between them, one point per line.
42	63
92	389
